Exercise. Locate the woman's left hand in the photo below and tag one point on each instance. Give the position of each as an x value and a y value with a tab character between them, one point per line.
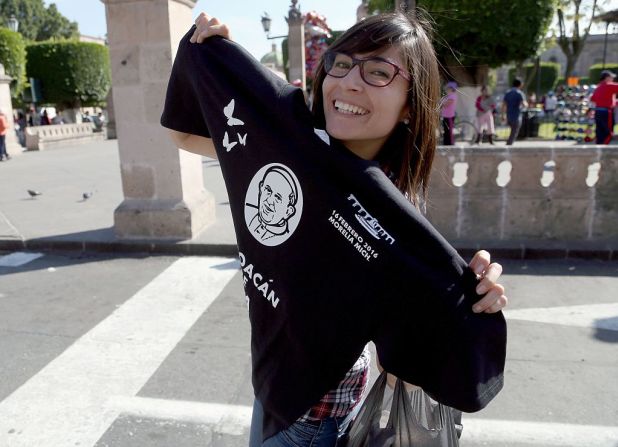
488	273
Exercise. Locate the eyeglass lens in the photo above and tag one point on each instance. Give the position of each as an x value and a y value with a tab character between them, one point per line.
375	72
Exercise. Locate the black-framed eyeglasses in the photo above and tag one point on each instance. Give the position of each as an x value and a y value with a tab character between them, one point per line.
375	71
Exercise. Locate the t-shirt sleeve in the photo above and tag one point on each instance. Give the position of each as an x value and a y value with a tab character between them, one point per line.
204	76
427	333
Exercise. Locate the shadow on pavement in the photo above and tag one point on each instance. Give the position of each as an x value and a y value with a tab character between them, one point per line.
606	329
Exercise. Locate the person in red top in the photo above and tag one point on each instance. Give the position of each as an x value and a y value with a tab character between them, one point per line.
4	126
604	99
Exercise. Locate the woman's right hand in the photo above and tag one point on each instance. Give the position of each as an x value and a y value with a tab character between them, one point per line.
207	26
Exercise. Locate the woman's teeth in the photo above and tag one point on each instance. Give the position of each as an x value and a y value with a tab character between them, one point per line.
349	108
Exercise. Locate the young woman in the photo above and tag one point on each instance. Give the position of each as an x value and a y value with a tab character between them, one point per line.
377	98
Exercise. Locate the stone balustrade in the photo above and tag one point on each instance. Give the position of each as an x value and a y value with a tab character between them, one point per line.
44	137
490	196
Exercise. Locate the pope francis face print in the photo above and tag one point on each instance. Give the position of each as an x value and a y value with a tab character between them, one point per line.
273	204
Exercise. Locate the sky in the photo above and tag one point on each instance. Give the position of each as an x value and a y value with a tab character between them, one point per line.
242	16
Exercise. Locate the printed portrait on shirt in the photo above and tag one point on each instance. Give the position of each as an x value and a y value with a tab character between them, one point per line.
273	204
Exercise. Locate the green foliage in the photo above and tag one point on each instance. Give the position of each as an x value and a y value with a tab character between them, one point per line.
594	72
550	71
491	32
381	5
71	73
471	33
36	22
13	57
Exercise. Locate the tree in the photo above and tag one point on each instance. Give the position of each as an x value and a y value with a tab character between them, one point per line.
56	25
572	46
13	57
80	74
36	22
472	36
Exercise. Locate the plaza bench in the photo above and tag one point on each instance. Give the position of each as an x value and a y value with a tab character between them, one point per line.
39	138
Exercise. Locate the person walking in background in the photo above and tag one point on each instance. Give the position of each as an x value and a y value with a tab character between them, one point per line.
485	106
45	121
4	127
514	101
550	103
604	99
447	112
20	128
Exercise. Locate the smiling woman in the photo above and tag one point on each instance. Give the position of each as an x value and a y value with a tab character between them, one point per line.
326	208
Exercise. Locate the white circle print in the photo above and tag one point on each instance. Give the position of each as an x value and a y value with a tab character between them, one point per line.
273	204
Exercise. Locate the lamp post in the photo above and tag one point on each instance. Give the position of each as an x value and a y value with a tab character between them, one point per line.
296	41
13	23
266	21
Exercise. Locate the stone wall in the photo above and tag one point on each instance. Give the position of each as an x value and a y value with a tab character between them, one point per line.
533	197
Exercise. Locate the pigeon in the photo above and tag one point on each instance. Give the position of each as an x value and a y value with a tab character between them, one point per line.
33	193
87	195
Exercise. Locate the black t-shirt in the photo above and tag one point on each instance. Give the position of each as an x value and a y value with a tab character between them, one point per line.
332	254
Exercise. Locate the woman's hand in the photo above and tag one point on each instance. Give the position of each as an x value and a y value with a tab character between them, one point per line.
207	26
488	273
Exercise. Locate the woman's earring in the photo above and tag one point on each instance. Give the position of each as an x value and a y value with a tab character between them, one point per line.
406	121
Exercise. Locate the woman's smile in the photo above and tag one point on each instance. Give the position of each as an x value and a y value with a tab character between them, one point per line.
349	109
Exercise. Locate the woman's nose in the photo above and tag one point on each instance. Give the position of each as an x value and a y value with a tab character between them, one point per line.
353	80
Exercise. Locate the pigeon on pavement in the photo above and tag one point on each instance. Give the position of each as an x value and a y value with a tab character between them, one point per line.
33	193
87	195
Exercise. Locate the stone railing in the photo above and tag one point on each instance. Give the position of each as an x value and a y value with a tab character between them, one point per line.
45	137
534	197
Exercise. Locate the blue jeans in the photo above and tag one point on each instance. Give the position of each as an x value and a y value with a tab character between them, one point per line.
323	433
515	125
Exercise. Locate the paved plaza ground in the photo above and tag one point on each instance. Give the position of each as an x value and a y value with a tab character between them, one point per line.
152	350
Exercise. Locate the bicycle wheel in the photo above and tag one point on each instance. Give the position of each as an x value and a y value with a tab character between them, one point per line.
464	132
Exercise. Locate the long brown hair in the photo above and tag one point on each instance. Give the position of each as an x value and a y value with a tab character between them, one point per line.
409	151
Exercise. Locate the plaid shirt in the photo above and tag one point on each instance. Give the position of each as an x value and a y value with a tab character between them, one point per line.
342	400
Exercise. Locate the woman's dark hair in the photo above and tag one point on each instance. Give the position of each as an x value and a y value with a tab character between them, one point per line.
409	151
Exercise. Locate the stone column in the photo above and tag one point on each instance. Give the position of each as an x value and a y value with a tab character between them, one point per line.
163	186
296	45
12	145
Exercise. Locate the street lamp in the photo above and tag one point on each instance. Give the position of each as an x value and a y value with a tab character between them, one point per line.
13	23
266	21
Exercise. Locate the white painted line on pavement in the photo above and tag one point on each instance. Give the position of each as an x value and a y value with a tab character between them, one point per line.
65	404
602	316
232	419
18	259
228	419
538	433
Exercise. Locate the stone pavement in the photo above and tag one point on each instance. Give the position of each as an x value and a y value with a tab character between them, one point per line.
61	219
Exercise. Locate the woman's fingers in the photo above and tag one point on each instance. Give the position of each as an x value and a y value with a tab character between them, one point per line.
488	274
480	261
492	302
200	22
206	26
489	278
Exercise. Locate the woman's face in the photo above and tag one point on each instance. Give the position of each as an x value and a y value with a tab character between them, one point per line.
362	116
